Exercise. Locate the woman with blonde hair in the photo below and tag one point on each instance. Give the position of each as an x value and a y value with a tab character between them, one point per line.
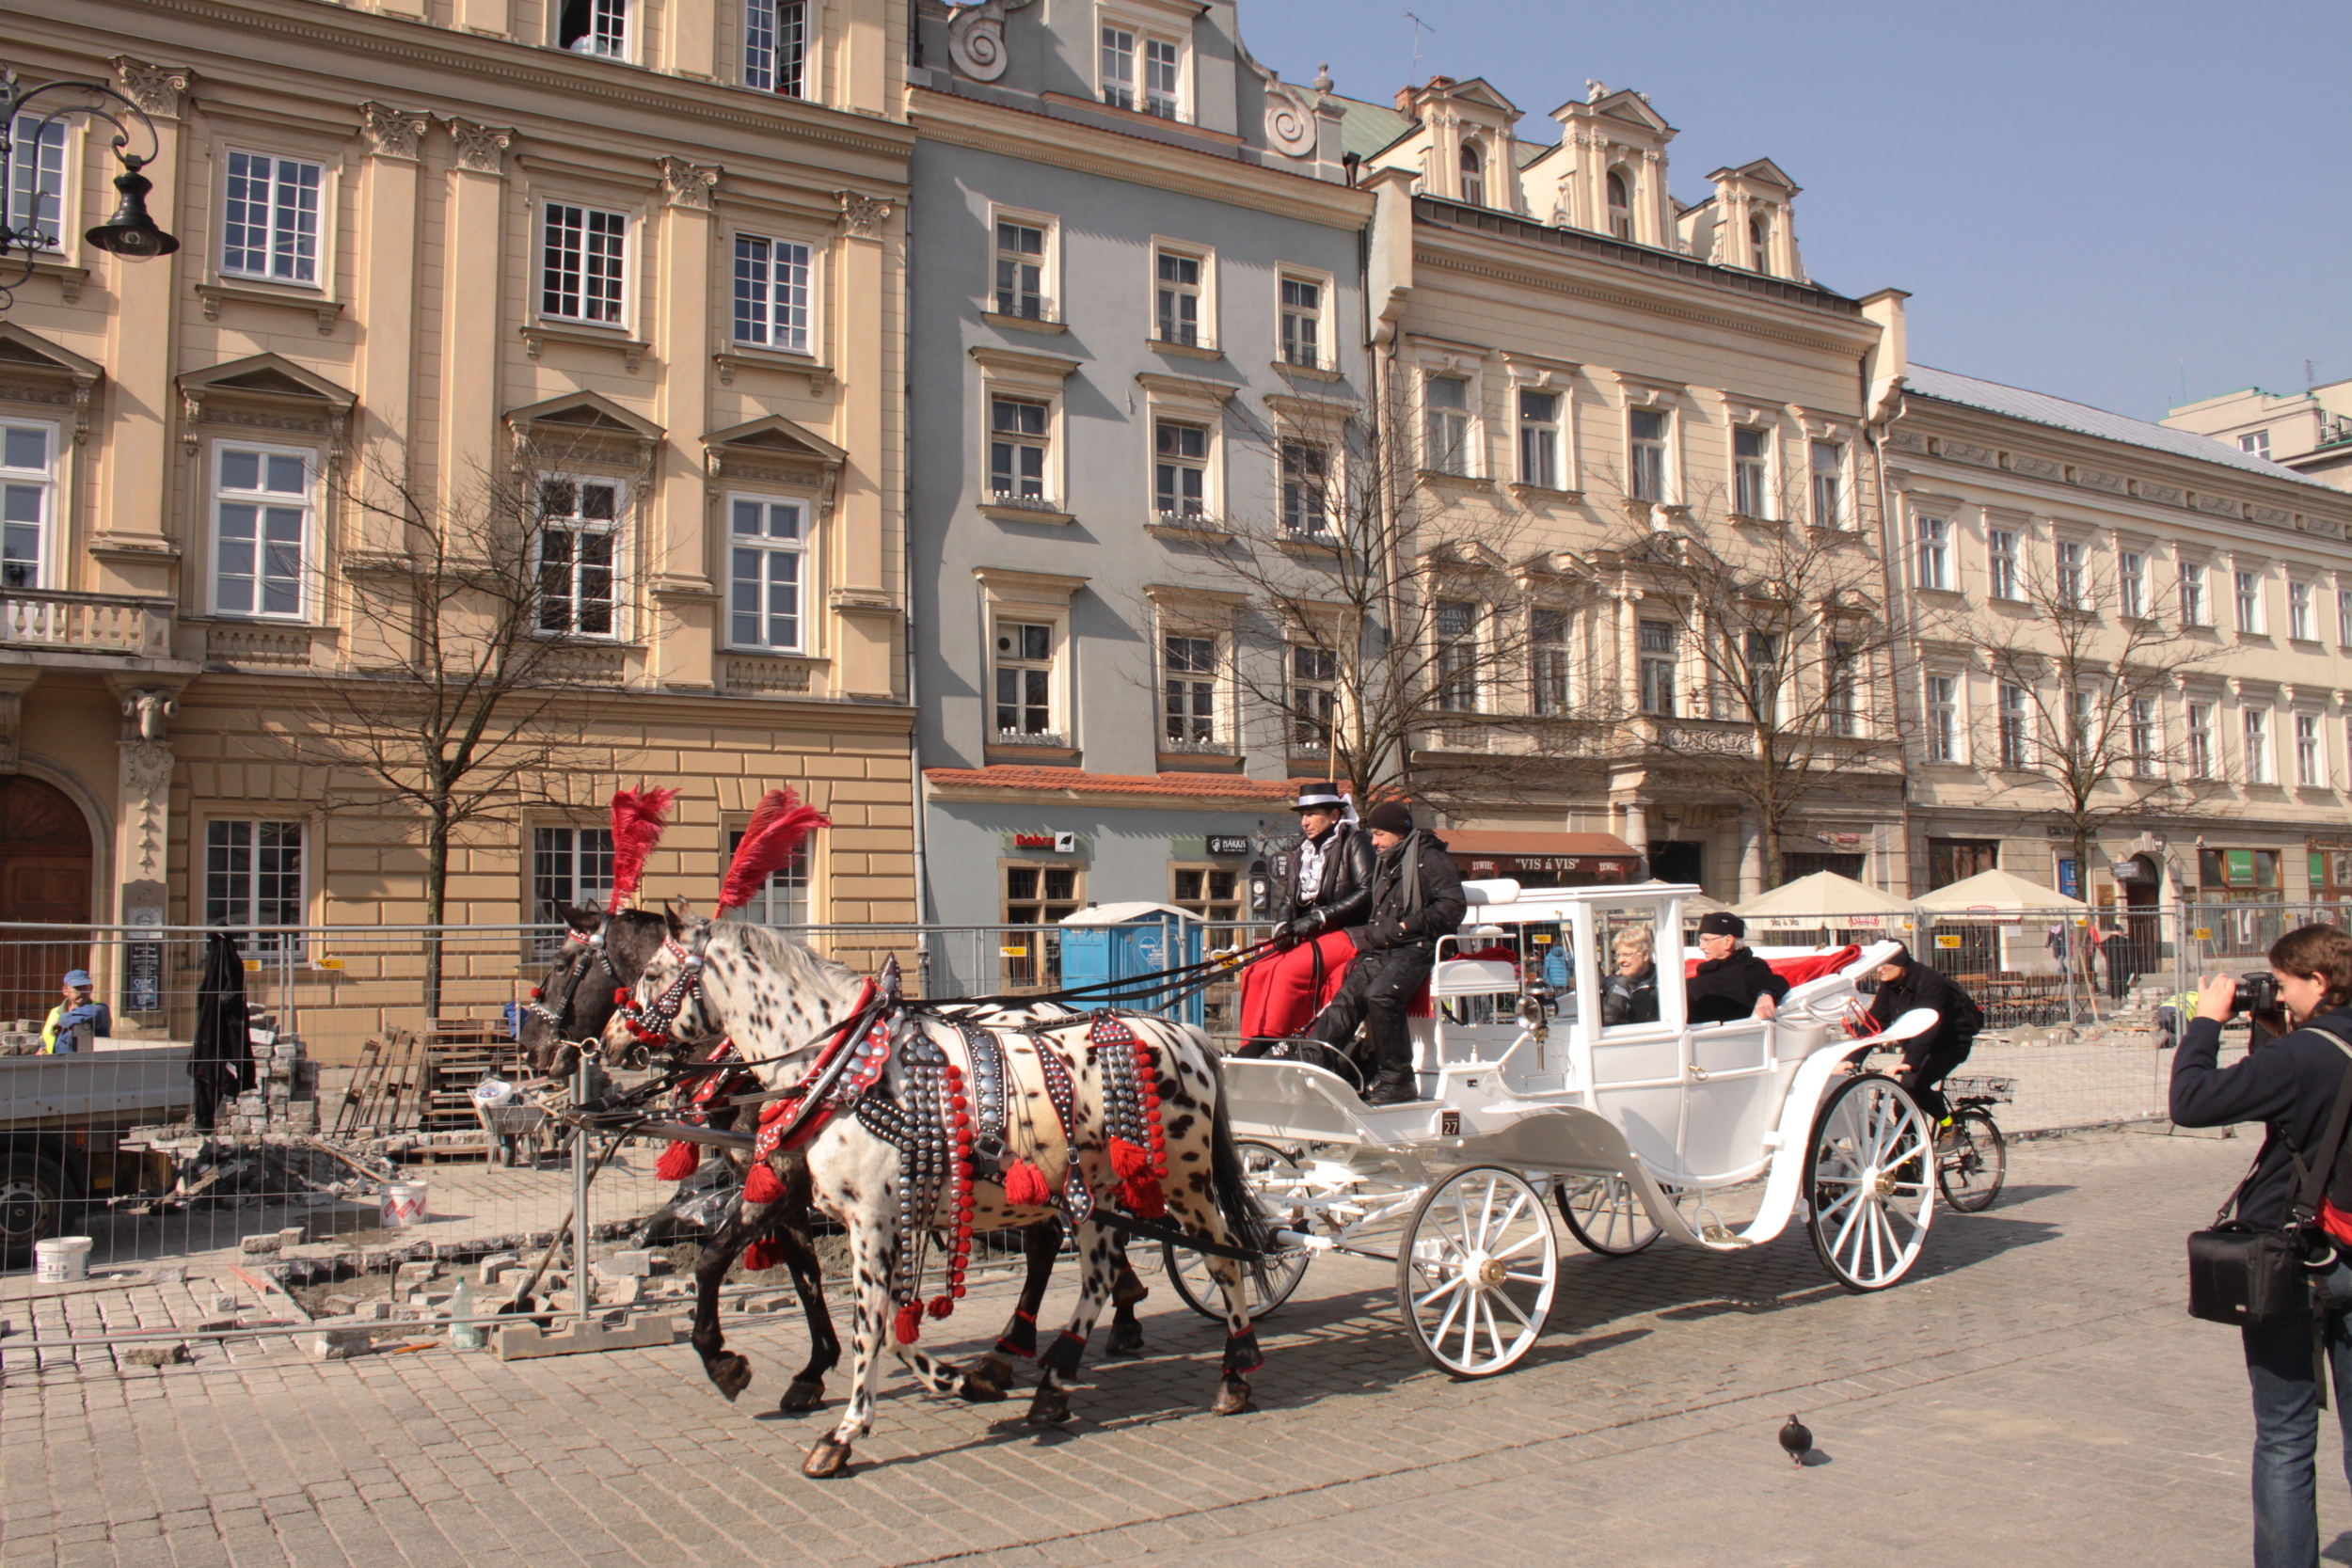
1630	994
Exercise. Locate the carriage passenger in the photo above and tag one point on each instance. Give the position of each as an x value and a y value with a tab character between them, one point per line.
1631	995
1732	983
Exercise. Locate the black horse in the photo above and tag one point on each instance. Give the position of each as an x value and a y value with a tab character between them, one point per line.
603	954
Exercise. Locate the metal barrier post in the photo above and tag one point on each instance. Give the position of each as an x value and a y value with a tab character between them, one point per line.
579	1194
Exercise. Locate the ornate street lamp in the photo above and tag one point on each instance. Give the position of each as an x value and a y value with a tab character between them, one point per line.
131	233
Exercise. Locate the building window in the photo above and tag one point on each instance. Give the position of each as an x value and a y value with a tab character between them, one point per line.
1751	472
1302	323
1163	72
2201	741
1178	297
1306	476
765	548
1016	449
1445	424
1829	464
2015	736
568	865
1620	205
2309	772
1025	677
2249	601
771	293
253	876
269	227
1943	719
580	275
2343	616
775	46
1658	653
1036	895
2147	740
2079	727
1473	175
2256	721
595	27
2073	588
1842	671
1761	653
2131	584
1760	244
1548	663
1313	698
1020	270
2257	444
1956	860
1179	469
1645	433
1189	689
2000	566
261	529
1206	891
578	521
2300	611
1456	626
1539	440
1936	553
1118	68
27	496
783	898
37	180
2193	613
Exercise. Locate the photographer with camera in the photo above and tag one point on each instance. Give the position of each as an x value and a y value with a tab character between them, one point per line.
2290	1084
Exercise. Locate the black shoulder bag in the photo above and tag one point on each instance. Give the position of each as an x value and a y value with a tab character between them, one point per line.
2257	1277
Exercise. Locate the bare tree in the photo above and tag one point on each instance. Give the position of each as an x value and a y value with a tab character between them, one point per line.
480	655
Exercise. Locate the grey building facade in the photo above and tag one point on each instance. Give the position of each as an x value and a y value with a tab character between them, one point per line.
1136	320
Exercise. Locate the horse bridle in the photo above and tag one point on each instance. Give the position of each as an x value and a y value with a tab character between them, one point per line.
561	1021
652	1023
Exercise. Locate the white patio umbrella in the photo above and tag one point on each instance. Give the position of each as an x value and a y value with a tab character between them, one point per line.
1824	899
1998	893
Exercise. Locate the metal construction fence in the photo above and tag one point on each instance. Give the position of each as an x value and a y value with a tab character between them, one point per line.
381	1151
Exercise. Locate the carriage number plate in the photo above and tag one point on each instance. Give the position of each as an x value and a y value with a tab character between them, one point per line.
1450	1124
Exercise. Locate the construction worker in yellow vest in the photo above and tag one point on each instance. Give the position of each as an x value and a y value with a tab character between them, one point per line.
62	1032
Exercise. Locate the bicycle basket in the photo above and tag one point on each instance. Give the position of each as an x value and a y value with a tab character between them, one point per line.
1980	1089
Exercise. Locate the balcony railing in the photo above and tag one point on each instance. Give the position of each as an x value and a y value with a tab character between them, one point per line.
92	623
1029	737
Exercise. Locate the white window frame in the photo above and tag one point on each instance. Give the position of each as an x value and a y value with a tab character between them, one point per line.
1170	459
1551	662
2070	573
1549	435
38	175
2131	584
548	220
1326	344
1758	490
1206	337
1169	28
2201	749
1434	448
794	881
1443	675
2299	622
1002	615
2343	617
217	493
320	216
1321	510
2254	729
2004	565
1840	503
2255	443
2014	726
2196	599
1044	441
1324	683
578	845
1612	213
2146	736
577	525
787	322
45	486
2245	601
249	898
763	76
1947	739
1657	672
1474	162
799	548
1048	263
2310	754
1932	553
1668	486
1175	706
611	33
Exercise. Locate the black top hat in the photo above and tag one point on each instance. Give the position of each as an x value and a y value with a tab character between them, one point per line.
1320	796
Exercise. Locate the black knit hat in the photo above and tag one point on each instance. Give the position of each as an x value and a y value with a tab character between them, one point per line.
1721	923
1390	817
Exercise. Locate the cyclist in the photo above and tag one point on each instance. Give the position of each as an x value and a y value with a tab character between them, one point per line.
1905	983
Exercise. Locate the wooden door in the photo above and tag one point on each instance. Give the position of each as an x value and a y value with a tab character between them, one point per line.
44	880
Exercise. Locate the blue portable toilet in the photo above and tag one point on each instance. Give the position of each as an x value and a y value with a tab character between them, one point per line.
1117	941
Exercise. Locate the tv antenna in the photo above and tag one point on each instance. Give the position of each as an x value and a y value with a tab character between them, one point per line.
1419	28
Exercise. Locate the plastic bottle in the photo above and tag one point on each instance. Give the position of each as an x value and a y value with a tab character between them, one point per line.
462	1335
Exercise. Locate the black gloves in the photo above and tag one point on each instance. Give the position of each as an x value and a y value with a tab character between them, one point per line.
1304	928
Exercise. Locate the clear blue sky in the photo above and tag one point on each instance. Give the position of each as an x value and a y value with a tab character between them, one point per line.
2084	197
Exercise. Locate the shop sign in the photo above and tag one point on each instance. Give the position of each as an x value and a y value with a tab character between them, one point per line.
1552	870
1229	844
2070	876
1048	840
1842	841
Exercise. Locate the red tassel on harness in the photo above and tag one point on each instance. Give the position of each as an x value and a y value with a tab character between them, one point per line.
1128	1161
638	817
1025	1188
1144	1199
910	1323
776	829
941	1306
761	1185
678	1161
761	1255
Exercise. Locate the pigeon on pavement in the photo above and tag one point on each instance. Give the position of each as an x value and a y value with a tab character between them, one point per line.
1798	1439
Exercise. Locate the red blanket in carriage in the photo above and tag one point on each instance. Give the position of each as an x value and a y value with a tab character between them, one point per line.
1280	997
1797	971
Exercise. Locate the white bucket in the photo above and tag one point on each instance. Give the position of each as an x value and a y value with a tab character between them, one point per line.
404	1203
62	1260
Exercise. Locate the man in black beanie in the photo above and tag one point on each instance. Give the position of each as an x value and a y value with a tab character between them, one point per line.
1416	898
1732	982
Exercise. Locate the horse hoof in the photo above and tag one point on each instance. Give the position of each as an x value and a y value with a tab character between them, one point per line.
985	1381
1050	1408
828	1460
1232	1399
806	1393
1126	1340
729	1375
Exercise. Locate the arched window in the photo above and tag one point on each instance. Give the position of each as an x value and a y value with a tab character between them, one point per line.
1760	243
1473	175
1620	205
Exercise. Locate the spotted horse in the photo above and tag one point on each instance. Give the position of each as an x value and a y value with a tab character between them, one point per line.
886	1100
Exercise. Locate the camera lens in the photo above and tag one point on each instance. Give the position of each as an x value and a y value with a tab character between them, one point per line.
2257	993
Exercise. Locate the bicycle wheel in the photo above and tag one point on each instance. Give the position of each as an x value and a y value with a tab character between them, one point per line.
1970	1171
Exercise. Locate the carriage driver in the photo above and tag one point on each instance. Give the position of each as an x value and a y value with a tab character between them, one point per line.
1416	898
1328	889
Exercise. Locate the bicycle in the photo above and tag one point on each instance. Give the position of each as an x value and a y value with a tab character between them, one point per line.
1971	1156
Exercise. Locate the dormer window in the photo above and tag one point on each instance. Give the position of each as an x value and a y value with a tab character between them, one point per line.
1760	244
1473	175
1620	205
595	27
1140	72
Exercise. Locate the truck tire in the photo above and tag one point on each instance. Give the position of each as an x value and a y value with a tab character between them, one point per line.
33	1193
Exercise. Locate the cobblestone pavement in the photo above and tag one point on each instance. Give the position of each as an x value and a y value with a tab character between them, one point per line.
2033	1394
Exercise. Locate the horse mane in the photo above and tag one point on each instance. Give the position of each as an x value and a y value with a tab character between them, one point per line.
801	968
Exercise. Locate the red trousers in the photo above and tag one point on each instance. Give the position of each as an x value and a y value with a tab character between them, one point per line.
1279	996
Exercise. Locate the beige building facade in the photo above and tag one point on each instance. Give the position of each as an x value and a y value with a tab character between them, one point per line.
638	264
2310	431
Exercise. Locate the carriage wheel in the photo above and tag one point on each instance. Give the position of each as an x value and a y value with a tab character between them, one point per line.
1873	1188
1474	1278
1266	1284
1605	1214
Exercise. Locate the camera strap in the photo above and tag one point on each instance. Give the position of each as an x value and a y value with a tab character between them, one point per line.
2311	1180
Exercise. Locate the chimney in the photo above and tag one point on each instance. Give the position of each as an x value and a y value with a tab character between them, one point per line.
1405	105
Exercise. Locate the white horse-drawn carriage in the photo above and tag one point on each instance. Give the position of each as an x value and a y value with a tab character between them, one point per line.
1632	1130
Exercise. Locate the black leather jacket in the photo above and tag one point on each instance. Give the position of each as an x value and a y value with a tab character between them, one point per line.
1345	894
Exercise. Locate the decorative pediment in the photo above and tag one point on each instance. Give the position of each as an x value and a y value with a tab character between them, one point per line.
1477	91
585	425
772	448
265	391
33	369
1763	171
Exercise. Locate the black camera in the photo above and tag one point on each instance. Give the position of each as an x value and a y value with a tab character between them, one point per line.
2257	993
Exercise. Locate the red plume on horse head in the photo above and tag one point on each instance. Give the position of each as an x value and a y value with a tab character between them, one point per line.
778	826
638	818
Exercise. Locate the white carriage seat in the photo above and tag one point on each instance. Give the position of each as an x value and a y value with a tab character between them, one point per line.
1457	977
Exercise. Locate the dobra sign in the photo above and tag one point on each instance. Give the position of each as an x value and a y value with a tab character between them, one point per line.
1060	844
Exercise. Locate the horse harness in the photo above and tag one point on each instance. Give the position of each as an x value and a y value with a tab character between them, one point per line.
560	1022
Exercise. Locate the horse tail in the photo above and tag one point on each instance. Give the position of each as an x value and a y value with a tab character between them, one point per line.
1245	1226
